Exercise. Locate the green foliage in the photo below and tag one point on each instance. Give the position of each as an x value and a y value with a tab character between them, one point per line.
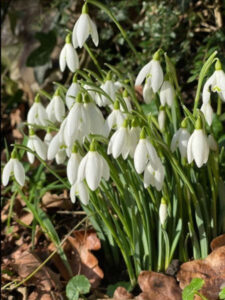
190	290
78	285
41	55
222	294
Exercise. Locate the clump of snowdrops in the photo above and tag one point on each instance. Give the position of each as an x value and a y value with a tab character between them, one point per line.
150	182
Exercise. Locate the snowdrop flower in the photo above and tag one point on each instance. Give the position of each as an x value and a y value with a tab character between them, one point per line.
115	118
95	117
207	110
36	145
166	94
83	28
154	72
212	143
78	121
72	92
148	94
13	167
37	114
120	142
198	147
144	153
216	82
72	166
68	56
154	175
48	137
58	145
180	140
90	91
56	108
161	118
110	89
79	189
163	211
93	168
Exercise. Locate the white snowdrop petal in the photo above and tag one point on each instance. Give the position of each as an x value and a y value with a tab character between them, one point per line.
71	58
31	114
72	167
175	139
40	147
72	91
94	33
189	150
118	142
143	73
43	117
157	75
200	148
19	172
92	172
82	29
140	156
105	169
7	172
53	147
81	169
162	213
59	108
62	59
183	142
60	156
83	193
73	193
74	35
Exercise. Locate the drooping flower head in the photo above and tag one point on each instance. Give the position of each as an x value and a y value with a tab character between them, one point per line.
83	28
37	114
180	139
68	56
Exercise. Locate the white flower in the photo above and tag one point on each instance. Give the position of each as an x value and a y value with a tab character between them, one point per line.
144	153
83	28
115	119
72	167
128	104
154	175
58	145
72	93
36	145
120	143
148	93
198	148
110	89
90	91
56	109
13	167
78	122
161	119
37	114
207	110
216	82
166	94
162	212
79	189
96	119
153	71
212	143
180	140
68	56
93	168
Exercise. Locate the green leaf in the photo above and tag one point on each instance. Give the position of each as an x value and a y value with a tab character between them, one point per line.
191	289
77	285
41	55
112	287
222	294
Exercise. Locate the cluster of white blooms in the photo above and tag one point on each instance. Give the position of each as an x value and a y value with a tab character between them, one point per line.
73	120
215	83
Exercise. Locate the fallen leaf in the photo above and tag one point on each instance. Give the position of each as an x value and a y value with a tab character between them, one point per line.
26	262
58	201
218	242
158	286
211	269
121	293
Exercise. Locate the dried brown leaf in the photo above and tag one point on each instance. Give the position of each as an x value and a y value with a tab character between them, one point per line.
211	269
122	294
218	242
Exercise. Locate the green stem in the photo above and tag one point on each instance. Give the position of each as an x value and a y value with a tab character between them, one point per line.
214	199
94	59
219	106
